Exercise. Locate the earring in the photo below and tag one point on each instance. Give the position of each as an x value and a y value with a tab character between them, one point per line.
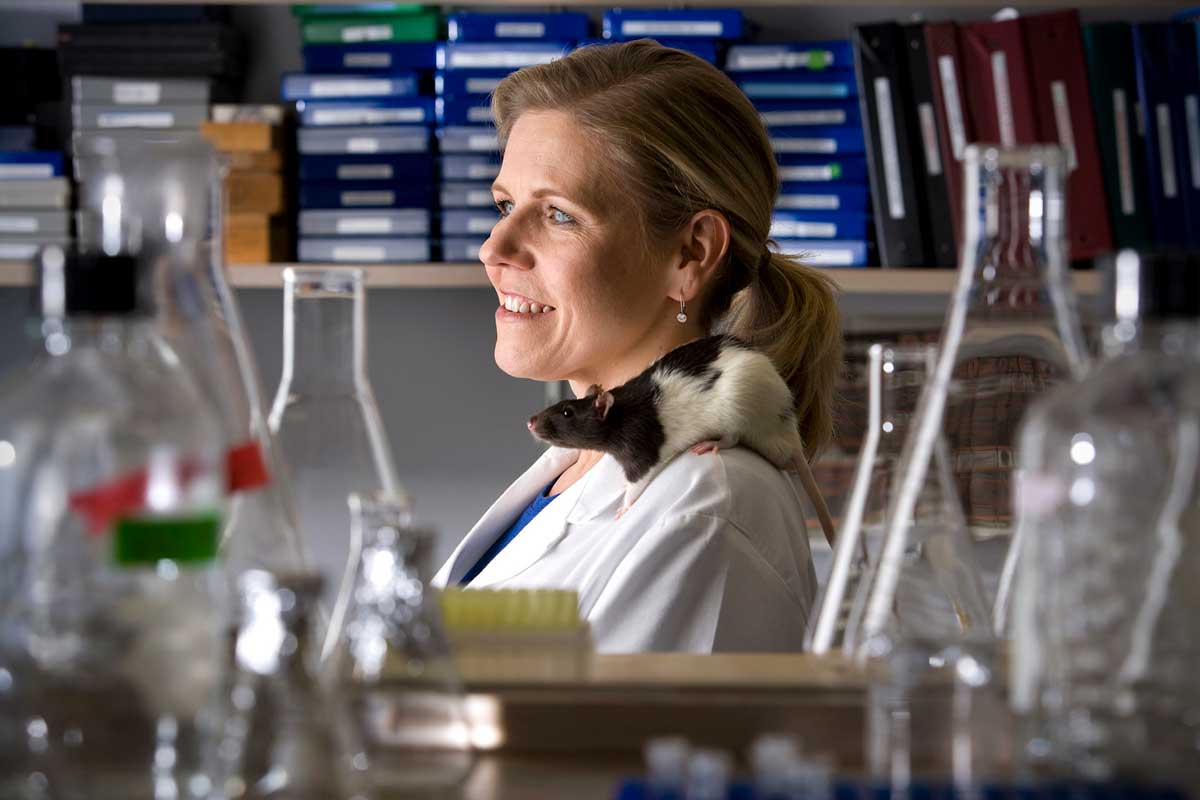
682	315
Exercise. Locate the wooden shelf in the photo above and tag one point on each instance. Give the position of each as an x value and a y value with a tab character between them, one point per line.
862	281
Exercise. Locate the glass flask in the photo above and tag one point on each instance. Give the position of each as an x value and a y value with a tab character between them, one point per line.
894	375
1105	653
393	658
325	417
1011	333
111	601
293	737
158	195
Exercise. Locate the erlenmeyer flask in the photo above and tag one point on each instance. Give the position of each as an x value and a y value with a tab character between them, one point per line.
894	375
157	195
291	736
1011	333
394	660
325	417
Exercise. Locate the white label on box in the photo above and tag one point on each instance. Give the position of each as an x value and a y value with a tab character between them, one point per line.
368	198
1004	112
1192	108
813	173
1124	152
929	138
478	142
953	103
479	198
1166	151
367	60
479	114
891	151
366	116
18	251
500	59
482	85
1062	121
829	258
790	229
481	172
473	251
9	172
362	144
358	252
145	93
138	119
834	116
366	33
520	30
810	202
364	172
363	87
671	27
18	225
361	225
804	145
480	225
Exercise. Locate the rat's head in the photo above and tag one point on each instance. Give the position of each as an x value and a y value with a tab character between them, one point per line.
581	424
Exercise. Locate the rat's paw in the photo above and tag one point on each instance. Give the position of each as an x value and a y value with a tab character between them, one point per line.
711	446
621	511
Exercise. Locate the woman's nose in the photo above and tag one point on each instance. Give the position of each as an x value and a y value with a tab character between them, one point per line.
503	247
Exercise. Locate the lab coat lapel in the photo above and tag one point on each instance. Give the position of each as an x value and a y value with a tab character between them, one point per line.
502	514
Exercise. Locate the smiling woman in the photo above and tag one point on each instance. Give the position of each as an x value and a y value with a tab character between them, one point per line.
635	198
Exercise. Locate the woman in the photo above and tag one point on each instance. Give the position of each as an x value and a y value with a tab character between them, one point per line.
635	200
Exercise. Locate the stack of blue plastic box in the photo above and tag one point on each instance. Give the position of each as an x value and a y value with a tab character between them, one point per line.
702	32
807	97
367	188
482	49
34	198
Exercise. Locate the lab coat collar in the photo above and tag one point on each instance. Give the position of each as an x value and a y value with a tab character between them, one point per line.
596	493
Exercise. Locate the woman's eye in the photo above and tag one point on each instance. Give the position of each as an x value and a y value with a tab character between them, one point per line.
560	217
504	207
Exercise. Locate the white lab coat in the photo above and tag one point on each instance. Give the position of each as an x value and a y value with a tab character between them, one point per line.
712	557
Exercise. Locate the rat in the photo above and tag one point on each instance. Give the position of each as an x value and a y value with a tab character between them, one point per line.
711	393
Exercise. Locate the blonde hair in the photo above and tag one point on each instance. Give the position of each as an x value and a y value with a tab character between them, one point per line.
680	137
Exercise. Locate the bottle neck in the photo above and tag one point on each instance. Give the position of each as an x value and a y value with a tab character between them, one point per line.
324	345
1020	231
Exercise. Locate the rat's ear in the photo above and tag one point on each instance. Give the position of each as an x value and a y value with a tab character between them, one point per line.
594	390
602	404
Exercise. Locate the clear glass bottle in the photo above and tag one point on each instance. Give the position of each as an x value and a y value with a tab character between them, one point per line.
111	491
394	658
325	417
291	734
1011	334
1105	653
158	195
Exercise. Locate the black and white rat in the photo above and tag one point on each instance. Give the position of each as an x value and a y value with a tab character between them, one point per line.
707	394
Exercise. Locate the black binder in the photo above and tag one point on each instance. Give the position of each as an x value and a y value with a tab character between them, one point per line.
889	125
933	154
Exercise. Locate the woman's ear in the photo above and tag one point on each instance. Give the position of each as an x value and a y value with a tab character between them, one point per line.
704	245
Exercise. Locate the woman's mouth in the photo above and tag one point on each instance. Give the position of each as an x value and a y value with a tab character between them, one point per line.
516	304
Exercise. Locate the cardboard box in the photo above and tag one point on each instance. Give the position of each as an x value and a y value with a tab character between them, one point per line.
253	193
242	136
255	239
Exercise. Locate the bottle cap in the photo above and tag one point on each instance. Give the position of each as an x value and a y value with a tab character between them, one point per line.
1155	285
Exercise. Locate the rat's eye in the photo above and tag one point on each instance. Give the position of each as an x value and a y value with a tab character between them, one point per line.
568	412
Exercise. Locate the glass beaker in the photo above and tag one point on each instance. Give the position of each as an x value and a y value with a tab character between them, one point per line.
325	417
157	195
388	648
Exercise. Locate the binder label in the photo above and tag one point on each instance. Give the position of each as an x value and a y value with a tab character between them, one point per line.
480	225
804	145
830	258
1062	121
500	59
480	172
18	224
478	142
350	88
482	85
479	198
1166	153
10	172
366	116
367	60
1191	105
1124	153
146	93
671	27
370	172
18	251
832	116
352	225
368	198
473	252
366	33
1004	112
142	119
362	144
772	60
823	172
358	252
810	202
790	229
520	30
482	114
933	157
953	103
891	151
